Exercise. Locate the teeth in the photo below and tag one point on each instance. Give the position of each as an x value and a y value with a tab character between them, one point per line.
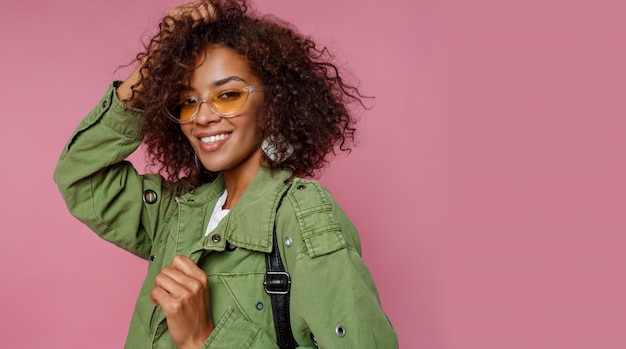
215	138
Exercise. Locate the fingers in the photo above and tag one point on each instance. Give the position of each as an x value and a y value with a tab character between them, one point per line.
204	11
200	11
181	276
188	267
182	279
181	290
158	296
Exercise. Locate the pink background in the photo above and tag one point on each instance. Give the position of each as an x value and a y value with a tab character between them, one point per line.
489	186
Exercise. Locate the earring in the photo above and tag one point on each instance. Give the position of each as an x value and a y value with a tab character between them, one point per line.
269	148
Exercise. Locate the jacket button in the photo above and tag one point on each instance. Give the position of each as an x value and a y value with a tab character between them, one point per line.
104	104
149	196
288	241
301	187
216	238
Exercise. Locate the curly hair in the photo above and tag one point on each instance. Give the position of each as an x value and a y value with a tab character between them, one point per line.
306	100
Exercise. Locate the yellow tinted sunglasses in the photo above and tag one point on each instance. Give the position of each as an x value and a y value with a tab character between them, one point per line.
225	103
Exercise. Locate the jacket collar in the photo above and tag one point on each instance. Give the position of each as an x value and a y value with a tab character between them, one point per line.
250	223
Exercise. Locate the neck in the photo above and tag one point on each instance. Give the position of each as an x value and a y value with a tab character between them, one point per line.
238	179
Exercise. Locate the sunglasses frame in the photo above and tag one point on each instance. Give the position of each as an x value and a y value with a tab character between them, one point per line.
248	90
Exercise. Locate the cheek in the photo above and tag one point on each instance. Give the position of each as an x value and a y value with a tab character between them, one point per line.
186	129
253	131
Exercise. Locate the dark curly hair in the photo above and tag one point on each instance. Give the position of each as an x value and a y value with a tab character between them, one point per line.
306	100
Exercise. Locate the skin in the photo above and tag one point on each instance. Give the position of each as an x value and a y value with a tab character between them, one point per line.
182	291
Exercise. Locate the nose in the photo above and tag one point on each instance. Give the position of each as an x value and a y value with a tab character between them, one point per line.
205	114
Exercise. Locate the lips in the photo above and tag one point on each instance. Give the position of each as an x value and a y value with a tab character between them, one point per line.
212	142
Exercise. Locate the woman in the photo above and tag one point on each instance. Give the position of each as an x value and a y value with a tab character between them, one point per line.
235	109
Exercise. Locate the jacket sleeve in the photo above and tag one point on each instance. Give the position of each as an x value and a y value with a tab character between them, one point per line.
99	187
334	300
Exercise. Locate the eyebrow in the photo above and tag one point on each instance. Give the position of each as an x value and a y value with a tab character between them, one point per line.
189	88
228	79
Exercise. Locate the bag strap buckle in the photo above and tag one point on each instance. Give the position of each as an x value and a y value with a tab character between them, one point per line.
277	282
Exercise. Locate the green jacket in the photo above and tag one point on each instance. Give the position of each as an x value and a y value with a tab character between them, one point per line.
331	286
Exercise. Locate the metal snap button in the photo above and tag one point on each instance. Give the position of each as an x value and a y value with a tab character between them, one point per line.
104	104
340	331
149	196
259	305
314	340
216	238
288	241
301	187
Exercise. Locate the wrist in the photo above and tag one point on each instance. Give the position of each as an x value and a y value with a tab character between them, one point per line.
198	341
124	92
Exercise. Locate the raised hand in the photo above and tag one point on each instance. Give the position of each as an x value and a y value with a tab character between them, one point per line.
200	11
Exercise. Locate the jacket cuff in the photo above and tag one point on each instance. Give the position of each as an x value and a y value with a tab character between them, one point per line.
117	116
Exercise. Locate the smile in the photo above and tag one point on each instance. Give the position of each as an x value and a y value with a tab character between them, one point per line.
213	139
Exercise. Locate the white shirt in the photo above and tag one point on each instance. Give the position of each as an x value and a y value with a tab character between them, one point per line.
218	213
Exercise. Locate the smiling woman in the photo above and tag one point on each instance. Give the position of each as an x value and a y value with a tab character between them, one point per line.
227	141
235	109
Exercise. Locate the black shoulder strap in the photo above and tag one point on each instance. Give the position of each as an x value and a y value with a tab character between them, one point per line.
277	284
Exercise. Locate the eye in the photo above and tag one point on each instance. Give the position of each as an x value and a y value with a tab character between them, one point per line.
187	102
229	95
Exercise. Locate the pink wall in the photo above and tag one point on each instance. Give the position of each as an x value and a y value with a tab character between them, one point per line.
495	156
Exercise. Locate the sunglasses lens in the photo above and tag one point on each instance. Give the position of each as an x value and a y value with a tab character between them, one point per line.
229	102
186	109
225	103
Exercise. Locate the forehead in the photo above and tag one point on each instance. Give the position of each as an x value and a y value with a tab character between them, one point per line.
218	65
